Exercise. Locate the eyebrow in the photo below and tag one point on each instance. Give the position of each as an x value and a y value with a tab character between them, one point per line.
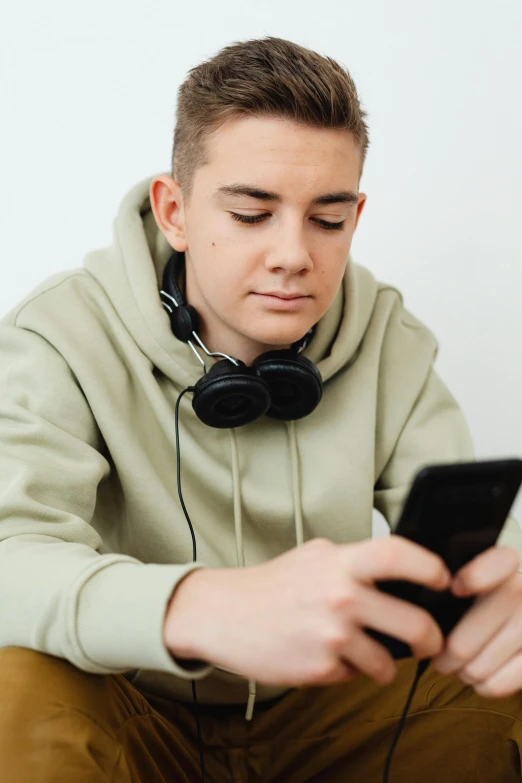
339	197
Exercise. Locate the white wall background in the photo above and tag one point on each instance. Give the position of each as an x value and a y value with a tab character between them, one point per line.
87	106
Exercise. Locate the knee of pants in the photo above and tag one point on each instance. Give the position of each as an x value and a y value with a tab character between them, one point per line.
33	683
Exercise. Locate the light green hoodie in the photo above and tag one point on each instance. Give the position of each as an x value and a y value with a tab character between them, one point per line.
93	537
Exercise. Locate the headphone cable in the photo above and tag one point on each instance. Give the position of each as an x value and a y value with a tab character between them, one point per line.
421	668
194	558
421	665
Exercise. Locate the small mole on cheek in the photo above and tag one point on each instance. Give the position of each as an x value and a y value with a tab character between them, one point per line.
213	244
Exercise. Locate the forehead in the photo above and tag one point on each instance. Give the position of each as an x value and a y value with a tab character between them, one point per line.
272	151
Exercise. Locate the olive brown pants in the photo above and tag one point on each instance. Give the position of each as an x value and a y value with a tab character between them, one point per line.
59	724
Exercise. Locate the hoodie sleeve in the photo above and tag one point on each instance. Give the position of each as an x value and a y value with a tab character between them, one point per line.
434	431
58	594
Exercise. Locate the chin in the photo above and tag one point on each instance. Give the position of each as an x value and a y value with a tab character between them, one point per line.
278	339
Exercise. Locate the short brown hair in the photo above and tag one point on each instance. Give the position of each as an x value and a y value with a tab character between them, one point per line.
266	77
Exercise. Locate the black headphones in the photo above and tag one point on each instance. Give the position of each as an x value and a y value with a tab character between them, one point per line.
280	384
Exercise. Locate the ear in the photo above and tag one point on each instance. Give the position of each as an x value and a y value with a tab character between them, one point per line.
166	201
360	205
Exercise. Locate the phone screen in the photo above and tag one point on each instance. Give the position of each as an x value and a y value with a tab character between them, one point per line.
457	511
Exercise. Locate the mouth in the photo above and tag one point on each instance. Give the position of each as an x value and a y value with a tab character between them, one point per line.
283	295
283	302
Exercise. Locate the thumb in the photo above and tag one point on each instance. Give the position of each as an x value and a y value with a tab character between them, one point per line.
486	571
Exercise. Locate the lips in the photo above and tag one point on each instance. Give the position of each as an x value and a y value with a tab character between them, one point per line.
291	302
283	295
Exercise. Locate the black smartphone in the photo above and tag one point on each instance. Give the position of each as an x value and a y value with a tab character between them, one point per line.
456	510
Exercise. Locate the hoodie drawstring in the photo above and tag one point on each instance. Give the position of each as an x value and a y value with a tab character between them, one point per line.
296	483
298	519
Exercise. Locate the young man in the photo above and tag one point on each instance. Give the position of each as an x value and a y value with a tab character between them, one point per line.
98	575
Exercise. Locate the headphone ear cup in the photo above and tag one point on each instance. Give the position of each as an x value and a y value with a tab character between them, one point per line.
230	396
295	383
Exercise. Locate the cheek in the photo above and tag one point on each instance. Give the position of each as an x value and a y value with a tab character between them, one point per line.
226	271
330	279
218	283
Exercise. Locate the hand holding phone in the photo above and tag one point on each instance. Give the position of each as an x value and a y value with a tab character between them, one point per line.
457	511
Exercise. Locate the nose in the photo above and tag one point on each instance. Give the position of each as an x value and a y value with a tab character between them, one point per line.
290	252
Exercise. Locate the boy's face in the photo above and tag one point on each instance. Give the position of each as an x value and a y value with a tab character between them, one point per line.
230	265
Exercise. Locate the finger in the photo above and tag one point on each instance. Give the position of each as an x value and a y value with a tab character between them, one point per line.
479	625
505	682
344	672
496	653
400	619
486	571
395	557
371	658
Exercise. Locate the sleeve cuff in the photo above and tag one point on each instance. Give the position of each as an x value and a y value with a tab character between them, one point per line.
119	619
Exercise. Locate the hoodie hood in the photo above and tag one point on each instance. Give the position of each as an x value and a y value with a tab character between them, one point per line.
132	277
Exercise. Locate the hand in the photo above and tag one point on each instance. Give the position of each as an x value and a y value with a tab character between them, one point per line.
298	619
485	647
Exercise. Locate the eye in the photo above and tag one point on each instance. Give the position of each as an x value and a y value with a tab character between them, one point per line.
259	218
248	218
329	226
